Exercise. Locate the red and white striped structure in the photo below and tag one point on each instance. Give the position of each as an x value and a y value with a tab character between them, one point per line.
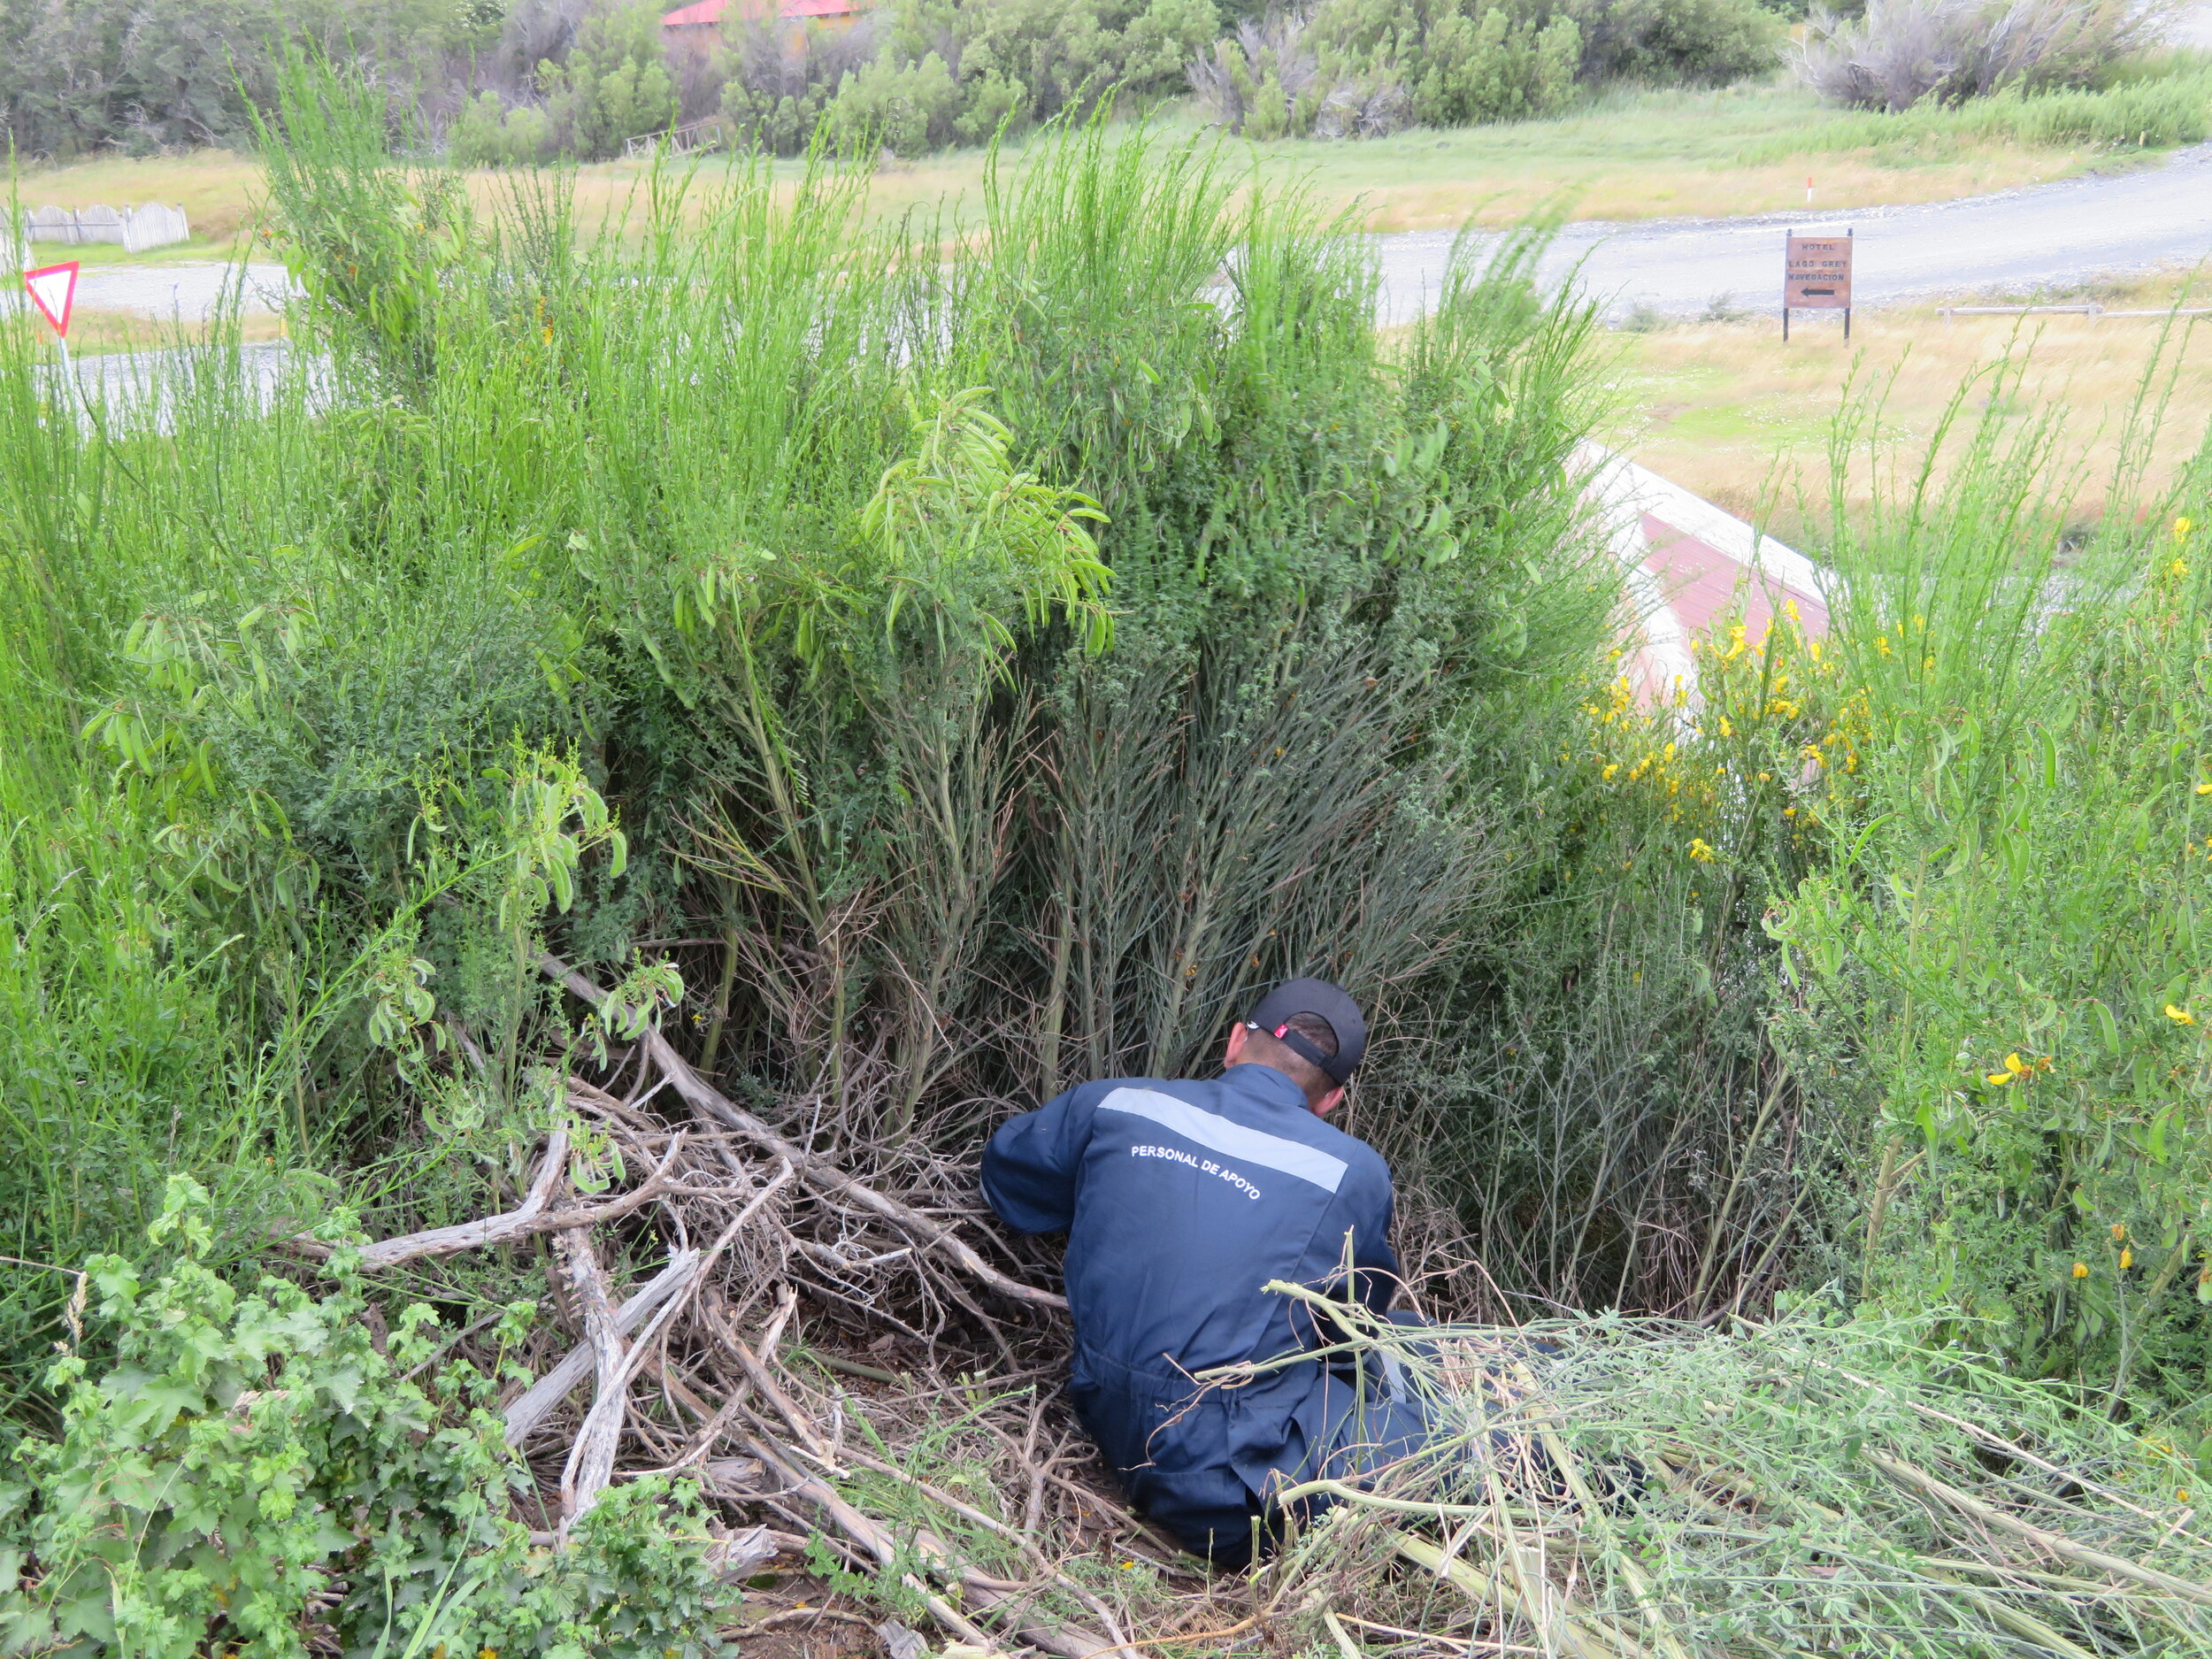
1689	563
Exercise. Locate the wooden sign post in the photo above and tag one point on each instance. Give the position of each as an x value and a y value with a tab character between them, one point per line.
1817	277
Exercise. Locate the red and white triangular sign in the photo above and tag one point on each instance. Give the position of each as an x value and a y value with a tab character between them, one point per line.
54	290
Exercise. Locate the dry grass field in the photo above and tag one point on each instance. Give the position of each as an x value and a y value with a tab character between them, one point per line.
1628	155
1725	409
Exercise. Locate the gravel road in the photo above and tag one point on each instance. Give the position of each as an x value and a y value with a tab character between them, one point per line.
2096	226
188	292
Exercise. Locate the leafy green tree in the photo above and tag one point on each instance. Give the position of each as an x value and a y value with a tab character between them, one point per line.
615	85
153	74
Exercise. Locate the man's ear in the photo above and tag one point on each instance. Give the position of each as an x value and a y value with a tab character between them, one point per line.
1231	1054
1329	1102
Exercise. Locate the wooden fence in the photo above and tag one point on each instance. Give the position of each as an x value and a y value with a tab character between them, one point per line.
137	228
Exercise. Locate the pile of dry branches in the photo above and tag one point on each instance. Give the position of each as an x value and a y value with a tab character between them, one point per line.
857	1386
912	1330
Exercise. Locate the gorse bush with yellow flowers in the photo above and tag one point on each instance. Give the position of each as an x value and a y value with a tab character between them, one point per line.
1614	1122
1998	979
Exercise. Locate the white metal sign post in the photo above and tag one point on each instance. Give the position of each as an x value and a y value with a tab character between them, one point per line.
53	289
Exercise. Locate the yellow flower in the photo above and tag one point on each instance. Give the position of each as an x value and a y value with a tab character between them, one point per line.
1881	643
2204	788
2182	1495
1699	851
2182	527
2081	1270
2127	1260
1611	769
2180	1015
2119	1233
1728	729
2000	1078
2179	567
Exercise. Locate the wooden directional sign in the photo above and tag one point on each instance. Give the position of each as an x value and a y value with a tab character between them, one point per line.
1816	276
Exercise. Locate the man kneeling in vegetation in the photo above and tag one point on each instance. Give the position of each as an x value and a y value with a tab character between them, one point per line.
1180	1201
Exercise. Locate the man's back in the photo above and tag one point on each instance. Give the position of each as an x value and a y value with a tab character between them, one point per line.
1182	1200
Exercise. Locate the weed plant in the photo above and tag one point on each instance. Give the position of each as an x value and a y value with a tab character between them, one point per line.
1999	991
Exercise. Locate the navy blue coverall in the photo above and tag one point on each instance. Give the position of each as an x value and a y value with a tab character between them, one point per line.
1180	1200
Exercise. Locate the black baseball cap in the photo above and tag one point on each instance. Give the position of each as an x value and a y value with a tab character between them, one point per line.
1328	1001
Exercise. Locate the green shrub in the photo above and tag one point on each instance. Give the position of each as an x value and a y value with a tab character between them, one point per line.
2004	999
490	134
1900	53
1495	70
257	1475
1364	67
1014	61
907	110
1676	42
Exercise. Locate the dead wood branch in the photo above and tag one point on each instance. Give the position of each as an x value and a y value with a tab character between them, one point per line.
466	1236
872	1538
743	1552
530	1216
591	1459
816	1171
539	1402
1020	1540
757	1374
1069	1641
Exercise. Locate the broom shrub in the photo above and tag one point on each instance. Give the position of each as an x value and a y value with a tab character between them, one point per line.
938	670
